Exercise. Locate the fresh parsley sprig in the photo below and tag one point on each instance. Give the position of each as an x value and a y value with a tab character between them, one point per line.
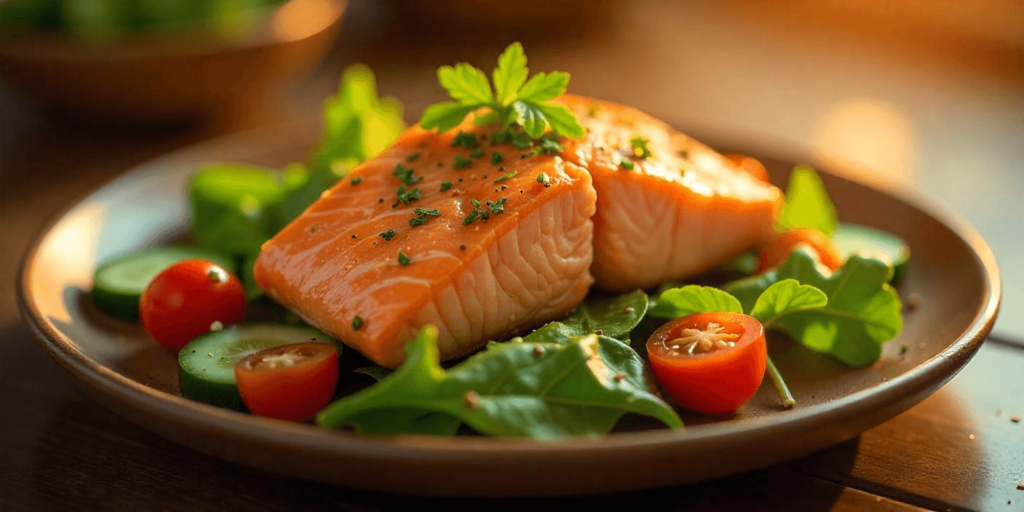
514	100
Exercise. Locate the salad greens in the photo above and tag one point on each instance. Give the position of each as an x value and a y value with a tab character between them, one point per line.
862	311
235	208
614	317
514	101
808	204
687	300
541	390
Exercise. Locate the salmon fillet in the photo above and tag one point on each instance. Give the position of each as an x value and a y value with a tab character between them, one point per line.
518	268
682	210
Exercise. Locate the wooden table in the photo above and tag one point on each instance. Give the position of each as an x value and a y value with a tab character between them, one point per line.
959	449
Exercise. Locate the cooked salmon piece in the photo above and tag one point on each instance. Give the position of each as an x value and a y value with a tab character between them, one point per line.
492	250
682	209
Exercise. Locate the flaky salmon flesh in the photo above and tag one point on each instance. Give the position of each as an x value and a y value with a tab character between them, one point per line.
496	248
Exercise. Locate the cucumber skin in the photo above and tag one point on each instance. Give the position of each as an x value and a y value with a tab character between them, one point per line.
126	305
222	394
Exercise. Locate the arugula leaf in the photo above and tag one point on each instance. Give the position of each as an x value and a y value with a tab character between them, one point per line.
862	312
680	302
408	421
807	203
785	297
510	74
614	317
540	390
515	99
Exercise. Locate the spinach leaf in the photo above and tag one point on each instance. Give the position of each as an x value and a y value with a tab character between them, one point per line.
862	312
376	372
680	302
785	297
807	203
540	390
614	317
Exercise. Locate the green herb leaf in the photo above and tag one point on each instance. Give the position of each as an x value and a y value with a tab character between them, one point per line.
680	302
518	101
542	179
615	317
563	122
445	185
506	177
465	84
496	158
807	203
510	74
445	115
785	297
627	164
388	235
862	310
461	162
466	140
403	259
570	389
357	323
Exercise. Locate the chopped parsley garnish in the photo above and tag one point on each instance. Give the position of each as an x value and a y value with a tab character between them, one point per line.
388	235
466	140
408	197
417	221
506	177
461	162
543	179
357	180
496	158
627	165
427	212
472	217
497	207
514	99
405	174
357	322
476	153
474	202
551	147
684	153
445	185
403	259
639	145
592	110
412	157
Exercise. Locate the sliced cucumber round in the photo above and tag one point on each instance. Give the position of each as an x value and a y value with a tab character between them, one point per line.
206	365
854	238
118	283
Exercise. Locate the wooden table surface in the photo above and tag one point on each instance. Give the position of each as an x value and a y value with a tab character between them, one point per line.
959	449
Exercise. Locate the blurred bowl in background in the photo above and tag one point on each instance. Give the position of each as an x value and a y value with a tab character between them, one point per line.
164	77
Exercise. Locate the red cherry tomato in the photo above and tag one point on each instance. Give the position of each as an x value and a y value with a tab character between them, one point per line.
776	251
750	165
288	382
187	298
709	362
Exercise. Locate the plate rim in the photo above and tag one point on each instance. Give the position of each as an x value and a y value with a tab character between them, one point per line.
933	372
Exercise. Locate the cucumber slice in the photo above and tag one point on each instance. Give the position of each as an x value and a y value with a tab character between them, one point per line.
118	283
234	207
206	365
853	238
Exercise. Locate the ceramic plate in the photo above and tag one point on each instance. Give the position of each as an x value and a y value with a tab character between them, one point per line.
952	271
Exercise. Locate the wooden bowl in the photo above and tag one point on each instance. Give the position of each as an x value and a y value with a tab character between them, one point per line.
160	79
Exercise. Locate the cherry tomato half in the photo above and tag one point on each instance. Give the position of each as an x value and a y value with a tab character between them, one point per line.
187	299
288	382
711	363
751	165
776	251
